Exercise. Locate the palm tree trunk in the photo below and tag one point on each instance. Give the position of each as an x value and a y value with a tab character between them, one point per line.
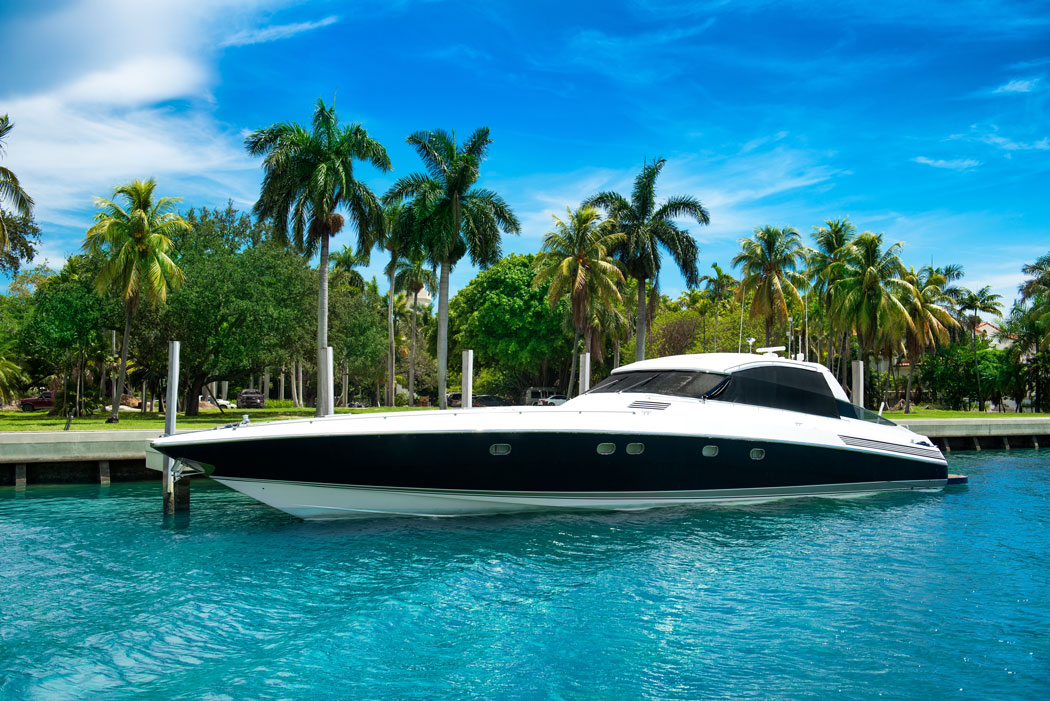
412	362
442	340
115	409
322	324
390	334
639	330
573	363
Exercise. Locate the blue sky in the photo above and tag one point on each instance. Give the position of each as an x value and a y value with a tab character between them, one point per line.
929	122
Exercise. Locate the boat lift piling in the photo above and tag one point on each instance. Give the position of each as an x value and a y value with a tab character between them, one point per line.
466	395
585	372
176	491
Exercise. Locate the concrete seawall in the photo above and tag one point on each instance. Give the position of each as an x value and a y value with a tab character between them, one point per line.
976	434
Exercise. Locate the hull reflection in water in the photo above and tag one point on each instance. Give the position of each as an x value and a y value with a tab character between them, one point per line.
715	428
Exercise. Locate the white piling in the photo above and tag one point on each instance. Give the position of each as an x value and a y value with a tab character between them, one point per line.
858	382
467	393
170	406
585	372
329	382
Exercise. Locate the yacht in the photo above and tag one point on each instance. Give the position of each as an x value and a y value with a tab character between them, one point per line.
715	428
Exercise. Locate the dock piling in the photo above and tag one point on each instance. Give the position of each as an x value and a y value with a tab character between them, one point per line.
20	476
466	395
168	479
103	472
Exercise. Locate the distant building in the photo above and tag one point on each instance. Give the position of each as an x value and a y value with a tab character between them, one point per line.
991	332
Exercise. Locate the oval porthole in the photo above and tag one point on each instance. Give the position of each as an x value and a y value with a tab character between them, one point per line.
710	451
606	448
635	448
500	448
757	453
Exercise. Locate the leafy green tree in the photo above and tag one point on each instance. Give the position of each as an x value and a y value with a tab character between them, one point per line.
769	264
648	228
10	189
22	236
308	177
983	300
65	327
413	277
574	262
240	307
12	375
456	217
135	240
508	322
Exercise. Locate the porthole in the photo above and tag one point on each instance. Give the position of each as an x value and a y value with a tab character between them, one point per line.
606	448
710	451
499	449
635	448
757	453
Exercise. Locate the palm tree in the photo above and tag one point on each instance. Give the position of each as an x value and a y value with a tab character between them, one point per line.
870	293
456	218
395	234
931	318
414	276
574	260
720	286
1038	282
12	376
768	265
649	228
10	189
308	176
135	240
983	300
345	262
833	241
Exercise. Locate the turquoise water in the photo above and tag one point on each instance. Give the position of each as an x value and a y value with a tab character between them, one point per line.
898	596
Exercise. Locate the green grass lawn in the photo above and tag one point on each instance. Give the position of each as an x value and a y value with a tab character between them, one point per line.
947	414
40	421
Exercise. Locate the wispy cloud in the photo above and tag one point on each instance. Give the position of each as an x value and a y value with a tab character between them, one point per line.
640	57
990	135
1018	85
1034	63
261	35
955	164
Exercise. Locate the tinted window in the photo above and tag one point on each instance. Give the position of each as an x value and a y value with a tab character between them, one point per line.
852	411
671	382
792	389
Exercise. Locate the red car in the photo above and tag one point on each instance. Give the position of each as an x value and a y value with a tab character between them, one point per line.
45	401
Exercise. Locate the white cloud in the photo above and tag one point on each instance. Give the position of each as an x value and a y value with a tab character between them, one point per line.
1018	86
274	32
956	164
1034	63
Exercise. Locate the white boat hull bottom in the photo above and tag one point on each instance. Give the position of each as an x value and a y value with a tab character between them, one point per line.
331	501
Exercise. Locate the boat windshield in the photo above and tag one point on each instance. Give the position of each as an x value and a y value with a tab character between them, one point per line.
675	383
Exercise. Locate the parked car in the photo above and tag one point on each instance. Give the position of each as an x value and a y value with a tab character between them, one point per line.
251	399
488	400
45	400
554	400
356	405
454	398
533	395
222	403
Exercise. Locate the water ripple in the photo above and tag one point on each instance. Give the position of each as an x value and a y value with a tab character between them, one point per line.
905	596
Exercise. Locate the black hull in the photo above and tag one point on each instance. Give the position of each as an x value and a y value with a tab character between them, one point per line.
541	462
